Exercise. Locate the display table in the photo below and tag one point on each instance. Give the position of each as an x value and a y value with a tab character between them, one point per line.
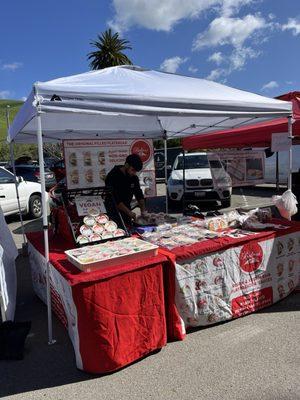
114	316
224	278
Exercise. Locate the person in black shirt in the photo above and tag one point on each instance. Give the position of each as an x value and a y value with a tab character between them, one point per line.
124	182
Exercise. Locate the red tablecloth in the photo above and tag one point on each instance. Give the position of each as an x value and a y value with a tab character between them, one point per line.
238	275
114	315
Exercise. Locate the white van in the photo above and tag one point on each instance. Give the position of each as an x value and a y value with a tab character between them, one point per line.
199	184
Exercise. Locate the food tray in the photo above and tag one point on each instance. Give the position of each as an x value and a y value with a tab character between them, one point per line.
135	249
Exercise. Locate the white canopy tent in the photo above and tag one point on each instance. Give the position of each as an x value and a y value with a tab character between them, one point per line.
131	102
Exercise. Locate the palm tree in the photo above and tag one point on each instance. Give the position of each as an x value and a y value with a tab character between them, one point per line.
109	51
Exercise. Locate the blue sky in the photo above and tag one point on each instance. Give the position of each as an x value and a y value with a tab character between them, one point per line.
249	44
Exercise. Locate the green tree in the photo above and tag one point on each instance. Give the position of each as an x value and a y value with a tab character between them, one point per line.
109	51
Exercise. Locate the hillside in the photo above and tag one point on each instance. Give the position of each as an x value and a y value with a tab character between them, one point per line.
21	149
14	108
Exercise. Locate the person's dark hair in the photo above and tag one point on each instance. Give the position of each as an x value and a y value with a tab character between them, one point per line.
135	162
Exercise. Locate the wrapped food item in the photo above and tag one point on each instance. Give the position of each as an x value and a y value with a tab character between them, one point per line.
82	239
102	219
86	230
95	237
93	212
89	220
110	226
107	235
97	228
119	233
216	223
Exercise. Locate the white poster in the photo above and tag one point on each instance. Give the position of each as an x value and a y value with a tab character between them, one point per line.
280	141
244	167
89	161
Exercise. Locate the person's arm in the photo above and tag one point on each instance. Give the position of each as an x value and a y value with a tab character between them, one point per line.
121	206
142	205
138	193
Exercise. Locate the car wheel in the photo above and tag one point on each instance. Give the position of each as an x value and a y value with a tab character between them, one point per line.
35	206
226	203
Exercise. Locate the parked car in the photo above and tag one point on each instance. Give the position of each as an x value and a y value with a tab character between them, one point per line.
29	194
31	173
199	185
59	170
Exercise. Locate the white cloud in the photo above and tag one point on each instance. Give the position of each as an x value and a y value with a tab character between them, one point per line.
234	62
192	69
24	98
12	66
172	64
162	15
270	85
4	94
230	7
227	30
293	25
239	57
156	14
215	74
216	57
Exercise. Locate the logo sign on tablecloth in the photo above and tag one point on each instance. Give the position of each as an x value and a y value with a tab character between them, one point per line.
251	257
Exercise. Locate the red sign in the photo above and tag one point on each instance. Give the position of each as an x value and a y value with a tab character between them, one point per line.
142	148
251	257
251	302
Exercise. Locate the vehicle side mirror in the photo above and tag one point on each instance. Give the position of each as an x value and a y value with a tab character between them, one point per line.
20	179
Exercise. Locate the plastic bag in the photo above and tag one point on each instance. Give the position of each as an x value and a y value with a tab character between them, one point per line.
286	204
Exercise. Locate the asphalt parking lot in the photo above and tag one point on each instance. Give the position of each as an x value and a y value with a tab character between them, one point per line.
257	356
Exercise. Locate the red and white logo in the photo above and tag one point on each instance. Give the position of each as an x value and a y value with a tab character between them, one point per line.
251	257
143	149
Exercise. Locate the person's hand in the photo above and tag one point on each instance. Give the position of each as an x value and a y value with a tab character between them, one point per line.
132	216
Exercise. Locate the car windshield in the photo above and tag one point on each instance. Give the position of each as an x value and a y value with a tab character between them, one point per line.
192	162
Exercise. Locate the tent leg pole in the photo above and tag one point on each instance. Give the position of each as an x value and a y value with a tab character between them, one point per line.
290	134
166	172
45	224
12	158
183	178
277	172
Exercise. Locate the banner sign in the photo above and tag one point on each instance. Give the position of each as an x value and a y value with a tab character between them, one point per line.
89	161
280	141
84	204
231	283
244	167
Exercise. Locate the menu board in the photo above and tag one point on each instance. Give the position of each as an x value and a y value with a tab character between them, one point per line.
89	161
244	167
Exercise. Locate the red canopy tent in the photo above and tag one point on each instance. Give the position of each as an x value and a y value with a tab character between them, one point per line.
258	135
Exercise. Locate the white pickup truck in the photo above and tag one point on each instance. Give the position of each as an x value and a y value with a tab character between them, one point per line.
29	194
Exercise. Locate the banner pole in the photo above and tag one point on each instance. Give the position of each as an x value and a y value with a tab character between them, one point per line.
45	223
290	135
166	172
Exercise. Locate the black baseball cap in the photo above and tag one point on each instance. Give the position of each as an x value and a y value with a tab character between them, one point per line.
135	162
